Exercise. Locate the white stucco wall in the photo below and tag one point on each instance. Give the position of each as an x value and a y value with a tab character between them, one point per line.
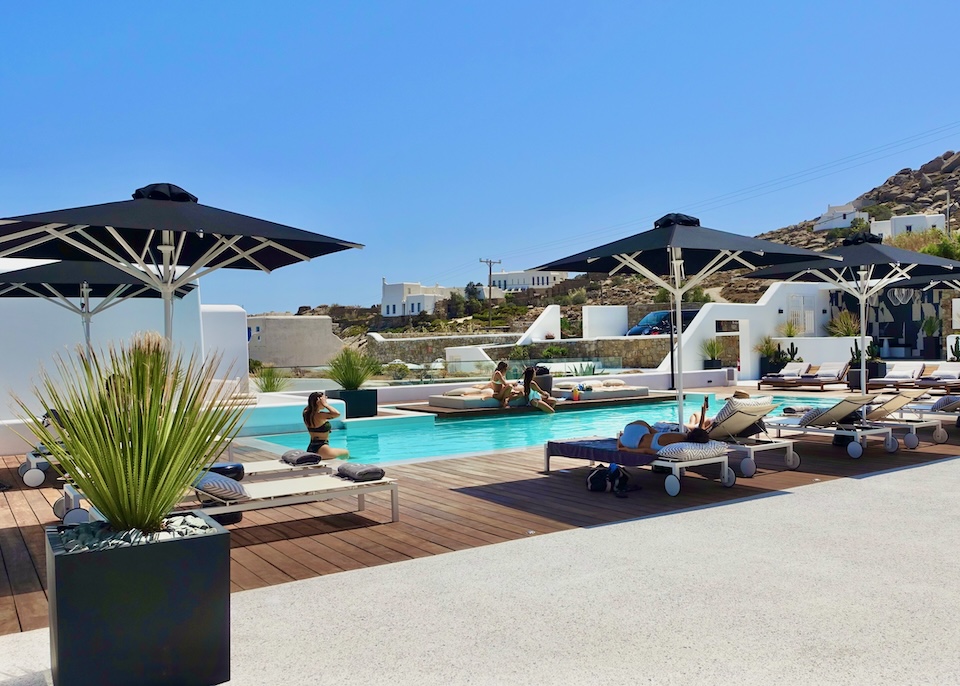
759	320
225	332
547	323
605	320
292	341
37	330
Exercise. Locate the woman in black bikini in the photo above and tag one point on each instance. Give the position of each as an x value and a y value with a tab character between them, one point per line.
317	415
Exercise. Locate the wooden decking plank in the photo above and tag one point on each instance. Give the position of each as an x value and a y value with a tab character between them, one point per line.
242	576
254	562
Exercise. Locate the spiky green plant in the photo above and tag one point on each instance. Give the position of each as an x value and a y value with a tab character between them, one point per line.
138	424
711	348
845	323
350	368
271	380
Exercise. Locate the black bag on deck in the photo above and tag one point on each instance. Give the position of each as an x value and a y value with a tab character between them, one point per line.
597	479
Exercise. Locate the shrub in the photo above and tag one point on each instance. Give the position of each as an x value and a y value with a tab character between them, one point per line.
931	325
138	425
789	329
766	347
254	366
271	380
552	351
845	323
350	368
397	371
519	352
711	348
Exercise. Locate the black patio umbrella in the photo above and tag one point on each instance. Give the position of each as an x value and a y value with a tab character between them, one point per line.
161	229
678	254
866	267
63	282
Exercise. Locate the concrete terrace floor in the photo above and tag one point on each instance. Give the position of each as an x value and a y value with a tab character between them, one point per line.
850	580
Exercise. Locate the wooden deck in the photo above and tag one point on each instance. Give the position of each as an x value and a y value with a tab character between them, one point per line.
444	505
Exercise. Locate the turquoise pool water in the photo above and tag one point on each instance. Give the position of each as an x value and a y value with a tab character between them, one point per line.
451	437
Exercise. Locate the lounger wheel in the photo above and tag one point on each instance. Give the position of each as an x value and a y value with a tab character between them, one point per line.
854	449
34	478
792	459
748	467
939	435
60	507
728	478
77	515
672	485
891	444
22	469
911	440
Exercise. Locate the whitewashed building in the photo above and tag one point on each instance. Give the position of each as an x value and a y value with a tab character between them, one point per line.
410	298
524	280
908	223
839	217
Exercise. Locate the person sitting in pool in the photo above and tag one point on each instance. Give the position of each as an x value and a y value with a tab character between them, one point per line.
700	419
317	415
535	396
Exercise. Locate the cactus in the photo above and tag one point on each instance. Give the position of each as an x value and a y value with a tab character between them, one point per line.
955	350
873	352
855	355
792	353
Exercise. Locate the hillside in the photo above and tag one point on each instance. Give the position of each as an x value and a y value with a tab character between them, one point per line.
909	191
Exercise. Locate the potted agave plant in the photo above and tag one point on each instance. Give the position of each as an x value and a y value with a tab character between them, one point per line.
711	348
350	369
142	597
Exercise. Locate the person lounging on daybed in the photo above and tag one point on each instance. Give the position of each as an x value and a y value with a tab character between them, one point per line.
840	419
640	444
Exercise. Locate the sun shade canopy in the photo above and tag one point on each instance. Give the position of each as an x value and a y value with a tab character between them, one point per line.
162	229
678	254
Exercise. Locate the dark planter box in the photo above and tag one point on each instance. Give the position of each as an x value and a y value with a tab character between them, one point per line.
875	370
768	367
148	614
712	364
360	403
545	382
931	348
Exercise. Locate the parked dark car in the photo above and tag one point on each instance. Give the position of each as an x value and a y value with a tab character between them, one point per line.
659	323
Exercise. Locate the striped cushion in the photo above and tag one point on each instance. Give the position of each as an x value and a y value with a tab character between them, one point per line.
734	404
693	451
810	416
222	487
943	402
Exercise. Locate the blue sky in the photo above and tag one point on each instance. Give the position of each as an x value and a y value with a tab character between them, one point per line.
440	133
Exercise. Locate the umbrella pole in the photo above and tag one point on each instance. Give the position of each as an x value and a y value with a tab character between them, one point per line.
85	315
168	314
863	343
676	263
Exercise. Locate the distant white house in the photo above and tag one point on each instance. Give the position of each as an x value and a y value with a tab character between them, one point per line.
409	298
908	223
839	217
524	280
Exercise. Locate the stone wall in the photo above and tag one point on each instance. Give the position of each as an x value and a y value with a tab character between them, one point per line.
634	353
419	350
291	341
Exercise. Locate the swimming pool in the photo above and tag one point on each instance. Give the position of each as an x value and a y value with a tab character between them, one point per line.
408	442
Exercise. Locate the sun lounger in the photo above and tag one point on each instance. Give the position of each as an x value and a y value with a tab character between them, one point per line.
297	491
898	374
827	374
684	455
834	421
598	390
731	428
886	414
944	376
787	376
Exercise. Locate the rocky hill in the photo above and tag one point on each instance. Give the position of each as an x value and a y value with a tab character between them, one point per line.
909	191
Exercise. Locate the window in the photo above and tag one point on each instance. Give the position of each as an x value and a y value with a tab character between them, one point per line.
394	309
258	329
909	228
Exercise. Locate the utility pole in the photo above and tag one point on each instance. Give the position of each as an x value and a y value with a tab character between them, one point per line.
948	213
489	264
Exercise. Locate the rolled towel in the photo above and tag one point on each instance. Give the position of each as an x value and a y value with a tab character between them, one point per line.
360	472
298	458
796	409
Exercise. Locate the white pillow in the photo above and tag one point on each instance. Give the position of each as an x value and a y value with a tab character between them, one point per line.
810	417
899	375
943	402
222	487
614	382
693	451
